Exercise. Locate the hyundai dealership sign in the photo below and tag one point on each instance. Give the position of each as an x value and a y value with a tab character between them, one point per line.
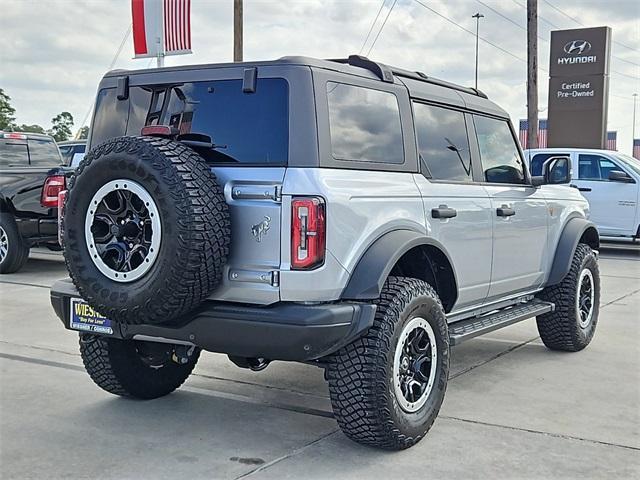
579	87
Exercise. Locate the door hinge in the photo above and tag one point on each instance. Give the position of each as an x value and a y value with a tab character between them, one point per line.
254	276
257	192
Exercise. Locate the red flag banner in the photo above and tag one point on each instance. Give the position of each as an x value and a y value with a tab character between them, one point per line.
161	27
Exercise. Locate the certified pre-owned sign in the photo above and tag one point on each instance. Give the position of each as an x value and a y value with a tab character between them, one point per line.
577	51
578	87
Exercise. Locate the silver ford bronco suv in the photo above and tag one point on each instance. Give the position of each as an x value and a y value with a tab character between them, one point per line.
341	213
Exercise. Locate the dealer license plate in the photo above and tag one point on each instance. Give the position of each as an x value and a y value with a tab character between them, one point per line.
84	318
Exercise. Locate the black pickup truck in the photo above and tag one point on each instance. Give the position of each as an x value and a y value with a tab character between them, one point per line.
31	176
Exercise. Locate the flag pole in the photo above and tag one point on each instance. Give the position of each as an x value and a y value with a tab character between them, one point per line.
160	58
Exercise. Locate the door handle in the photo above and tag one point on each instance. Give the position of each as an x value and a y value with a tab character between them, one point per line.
443	212
581	189
505	211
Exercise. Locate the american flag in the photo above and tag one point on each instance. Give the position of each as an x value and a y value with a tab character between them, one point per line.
612	138
636	148
161	27
177	26
542	133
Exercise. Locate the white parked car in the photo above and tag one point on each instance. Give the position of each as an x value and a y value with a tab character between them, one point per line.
609	180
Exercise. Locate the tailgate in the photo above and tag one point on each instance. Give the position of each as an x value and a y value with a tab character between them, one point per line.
252	271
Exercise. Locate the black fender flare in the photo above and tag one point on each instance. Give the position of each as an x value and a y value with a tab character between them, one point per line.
571	234
378	260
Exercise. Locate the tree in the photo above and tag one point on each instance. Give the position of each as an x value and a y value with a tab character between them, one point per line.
7	119
61	126
30	128
83	133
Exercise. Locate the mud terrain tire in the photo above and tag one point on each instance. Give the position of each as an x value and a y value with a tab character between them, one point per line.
194	235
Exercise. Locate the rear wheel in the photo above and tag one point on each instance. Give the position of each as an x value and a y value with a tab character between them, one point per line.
137	369
14	252
571	326
387	387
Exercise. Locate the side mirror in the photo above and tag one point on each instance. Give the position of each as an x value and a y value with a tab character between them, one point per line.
620	176
555	171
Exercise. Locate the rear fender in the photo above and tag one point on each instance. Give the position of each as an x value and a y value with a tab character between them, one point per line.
376	263
575	231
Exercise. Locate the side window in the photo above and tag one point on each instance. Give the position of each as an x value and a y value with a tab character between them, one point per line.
499	154
43	153
364	124
595	167
13	153
606	166
443	144
537	162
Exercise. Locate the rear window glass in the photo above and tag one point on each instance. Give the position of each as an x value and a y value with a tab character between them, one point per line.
247	128
443	143
43	153
364	124
13	153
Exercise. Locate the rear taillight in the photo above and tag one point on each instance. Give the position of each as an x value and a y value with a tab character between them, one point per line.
53	185
61	198
307	233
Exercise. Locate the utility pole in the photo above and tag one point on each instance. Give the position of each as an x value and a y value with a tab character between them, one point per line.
477	16
532	74
633	128
237	30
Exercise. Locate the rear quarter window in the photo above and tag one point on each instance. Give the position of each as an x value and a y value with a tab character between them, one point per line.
364	124
13	153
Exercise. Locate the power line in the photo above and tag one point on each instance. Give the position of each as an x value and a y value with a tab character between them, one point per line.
473	33
111	65
383	24
375	20
562	12
510	20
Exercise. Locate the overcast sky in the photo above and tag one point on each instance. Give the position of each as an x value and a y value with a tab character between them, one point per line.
54	52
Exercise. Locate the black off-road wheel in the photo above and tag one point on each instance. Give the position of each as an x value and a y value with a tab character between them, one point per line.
387	387
14	252
146	230
136	369
577	299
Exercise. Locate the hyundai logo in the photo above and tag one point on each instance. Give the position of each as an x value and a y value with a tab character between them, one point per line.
577	47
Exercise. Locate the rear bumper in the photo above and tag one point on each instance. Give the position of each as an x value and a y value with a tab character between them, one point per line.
283	331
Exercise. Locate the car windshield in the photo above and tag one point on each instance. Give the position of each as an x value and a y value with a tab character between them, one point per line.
632	163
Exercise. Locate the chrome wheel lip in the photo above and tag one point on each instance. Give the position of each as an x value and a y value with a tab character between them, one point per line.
156	229
414	324
585	298
4	244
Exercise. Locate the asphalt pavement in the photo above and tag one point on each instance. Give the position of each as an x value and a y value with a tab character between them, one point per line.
513	409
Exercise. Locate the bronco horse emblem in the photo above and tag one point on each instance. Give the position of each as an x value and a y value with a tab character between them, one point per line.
260	229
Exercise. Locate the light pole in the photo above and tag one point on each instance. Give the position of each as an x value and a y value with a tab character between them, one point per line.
477	16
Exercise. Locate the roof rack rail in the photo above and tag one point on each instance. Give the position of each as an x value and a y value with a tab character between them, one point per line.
386	73
380	70
435	81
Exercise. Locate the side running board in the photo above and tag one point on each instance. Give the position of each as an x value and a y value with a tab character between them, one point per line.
472	327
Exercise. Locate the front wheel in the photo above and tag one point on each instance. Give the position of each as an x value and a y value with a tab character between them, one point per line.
132	368
571	326
387	387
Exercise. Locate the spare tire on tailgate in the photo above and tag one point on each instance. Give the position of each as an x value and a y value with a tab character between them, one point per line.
146	229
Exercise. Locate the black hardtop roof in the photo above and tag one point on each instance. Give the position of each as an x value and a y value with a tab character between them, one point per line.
353	65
